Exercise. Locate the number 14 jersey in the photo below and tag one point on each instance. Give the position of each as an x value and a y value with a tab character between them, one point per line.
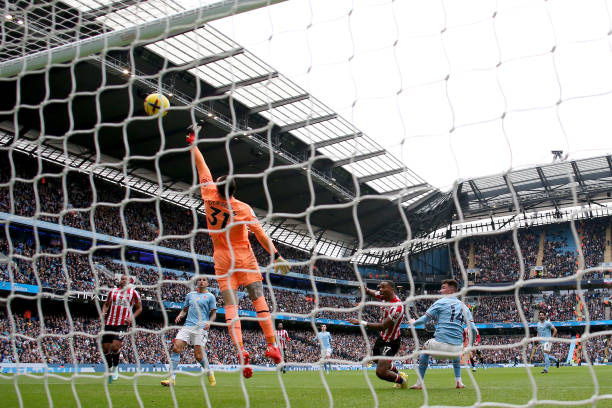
452	316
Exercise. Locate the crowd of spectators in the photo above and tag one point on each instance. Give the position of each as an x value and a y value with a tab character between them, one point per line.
496	260
53	270
93	205
59	340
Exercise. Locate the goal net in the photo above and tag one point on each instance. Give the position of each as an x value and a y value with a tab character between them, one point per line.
375	141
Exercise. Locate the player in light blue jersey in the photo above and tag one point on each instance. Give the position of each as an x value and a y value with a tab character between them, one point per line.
548	331
201	309
324	338
452	316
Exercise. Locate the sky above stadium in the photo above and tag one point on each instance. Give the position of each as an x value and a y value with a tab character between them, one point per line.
453	89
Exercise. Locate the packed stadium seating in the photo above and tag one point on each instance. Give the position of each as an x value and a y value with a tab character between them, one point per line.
140	217
58	346
496	257
44	263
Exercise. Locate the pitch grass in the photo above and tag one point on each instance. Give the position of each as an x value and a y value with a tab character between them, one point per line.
306	389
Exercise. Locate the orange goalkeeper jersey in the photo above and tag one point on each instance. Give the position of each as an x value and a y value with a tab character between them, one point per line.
233	214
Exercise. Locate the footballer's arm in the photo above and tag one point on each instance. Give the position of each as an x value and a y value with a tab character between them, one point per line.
384	325
280	265
204	174
212	318
369	291
105	306
182	314
137	311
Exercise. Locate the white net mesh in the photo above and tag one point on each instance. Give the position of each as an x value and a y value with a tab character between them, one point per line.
91	188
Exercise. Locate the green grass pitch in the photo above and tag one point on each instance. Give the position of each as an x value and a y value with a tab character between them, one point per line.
306	389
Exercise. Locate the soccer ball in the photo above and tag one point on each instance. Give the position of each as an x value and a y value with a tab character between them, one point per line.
156	103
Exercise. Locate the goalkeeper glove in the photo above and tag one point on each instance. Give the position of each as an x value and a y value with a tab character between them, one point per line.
281	266
192	131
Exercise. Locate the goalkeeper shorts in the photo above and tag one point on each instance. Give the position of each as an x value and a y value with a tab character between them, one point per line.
244	271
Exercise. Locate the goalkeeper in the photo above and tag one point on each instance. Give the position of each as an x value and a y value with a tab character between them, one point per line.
235	262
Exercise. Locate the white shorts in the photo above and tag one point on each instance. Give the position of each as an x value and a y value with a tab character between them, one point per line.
327	352
432	345
546	346
193	335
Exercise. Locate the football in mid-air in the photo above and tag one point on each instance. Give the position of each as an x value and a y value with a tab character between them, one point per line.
155	104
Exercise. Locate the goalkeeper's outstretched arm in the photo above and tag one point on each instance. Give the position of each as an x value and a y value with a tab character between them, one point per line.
280	265
204	175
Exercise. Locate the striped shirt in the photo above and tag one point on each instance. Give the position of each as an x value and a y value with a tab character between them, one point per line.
395	312
466	338
121	302
282	337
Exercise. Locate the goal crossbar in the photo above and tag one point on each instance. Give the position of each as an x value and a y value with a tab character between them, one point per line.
152	31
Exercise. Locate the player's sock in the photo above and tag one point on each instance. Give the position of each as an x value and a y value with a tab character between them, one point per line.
423	362
457	368
115	357
175	358
109	361
263	312
394	369
235	329
546	362
400	379
204	364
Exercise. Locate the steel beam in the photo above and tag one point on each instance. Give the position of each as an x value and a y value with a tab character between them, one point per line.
245	82
382	174
357	158
334	140
577	174
477	193
546	186
310	121
211	58
277	104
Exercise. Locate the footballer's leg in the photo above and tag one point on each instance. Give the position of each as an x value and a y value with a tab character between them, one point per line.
384	367
481	359
175	358
115	350
383	371
200	356
107	341
254	287
230	300
457	370
423	363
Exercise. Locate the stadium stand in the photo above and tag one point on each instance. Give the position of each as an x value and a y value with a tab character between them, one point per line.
40	262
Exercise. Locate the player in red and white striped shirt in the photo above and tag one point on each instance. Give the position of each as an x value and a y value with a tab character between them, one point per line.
388	343
473	353
118	314
282	338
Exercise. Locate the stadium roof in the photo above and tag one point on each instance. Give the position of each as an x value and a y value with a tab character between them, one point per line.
263	118
541	187
261	114
229	68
